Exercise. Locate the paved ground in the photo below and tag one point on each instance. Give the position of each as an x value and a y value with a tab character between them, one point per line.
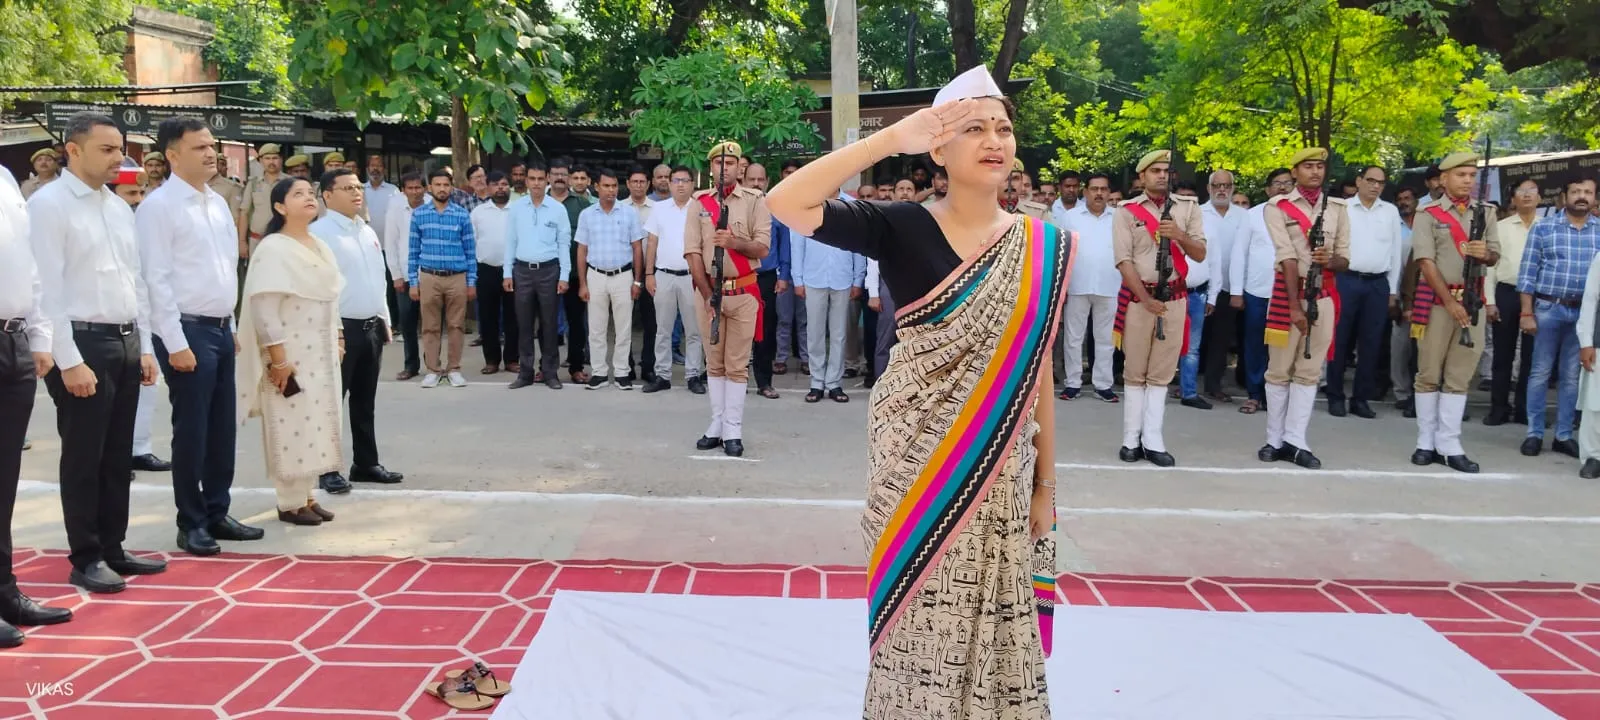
609	474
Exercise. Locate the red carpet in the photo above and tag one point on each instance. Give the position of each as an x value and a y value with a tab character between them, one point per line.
270	637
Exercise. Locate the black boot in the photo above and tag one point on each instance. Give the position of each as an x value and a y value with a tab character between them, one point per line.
1268	453
706	442
1131	454
1424	457
1460	463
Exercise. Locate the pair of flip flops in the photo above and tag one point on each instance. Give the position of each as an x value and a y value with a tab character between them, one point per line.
474	688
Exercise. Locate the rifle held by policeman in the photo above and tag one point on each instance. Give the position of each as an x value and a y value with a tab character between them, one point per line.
1163	291
1313	285
717	253
1471	268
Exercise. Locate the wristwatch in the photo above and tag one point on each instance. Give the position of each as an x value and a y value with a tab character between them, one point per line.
637	283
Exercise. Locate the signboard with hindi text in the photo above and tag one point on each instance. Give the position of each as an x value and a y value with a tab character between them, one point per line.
226	124
1551	174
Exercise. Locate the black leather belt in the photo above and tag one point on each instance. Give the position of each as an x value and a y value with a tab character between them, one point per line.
371	323
615	272
552	262
440	273
679	273
14	325
1567	302
1369	276
109	328
1201	288
206	321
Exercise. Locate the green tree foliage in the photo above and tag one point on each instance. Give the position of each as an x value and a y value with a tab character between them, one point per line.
1539	109
252	43
1094	138
413	58
62	42
693	101
1246	82
1524	33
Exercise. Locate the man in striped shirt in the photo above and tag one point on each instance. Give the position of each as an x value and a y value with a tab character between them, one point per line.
442	269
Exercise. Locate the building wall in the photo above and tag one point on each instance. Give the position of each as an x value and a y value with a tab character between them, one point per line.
168	49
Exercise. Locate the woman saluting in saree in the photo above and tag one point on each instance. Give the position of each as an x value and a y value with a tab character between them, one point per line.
960	506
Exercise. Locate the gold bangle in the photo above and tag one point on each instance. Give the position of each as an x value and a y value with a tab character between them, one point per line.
279	366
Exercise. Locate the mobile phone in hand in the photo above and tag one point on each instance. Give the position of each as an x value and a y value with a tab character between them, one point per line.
291	388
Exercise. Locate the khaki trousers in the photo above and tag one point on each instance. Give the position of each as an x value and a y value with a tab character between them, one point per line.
610	300
446	296
1147	361
1290	364
1440	356
729	358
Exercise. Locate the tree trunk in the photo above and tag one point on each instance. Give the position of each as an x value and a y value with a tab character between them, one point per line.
964	34
1011	42
685	14
460	130
1325	124
911	48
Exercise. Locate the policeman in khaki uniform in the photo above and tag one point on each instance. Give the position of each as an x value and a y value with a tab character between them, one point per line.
256	210
1017	199
1149	363
1292	373
1440	246
44	172
298	166
744	243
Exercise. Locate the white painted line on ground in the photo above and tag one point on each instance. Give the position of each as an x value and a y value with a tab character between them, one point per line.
722	458
1287	469
34	487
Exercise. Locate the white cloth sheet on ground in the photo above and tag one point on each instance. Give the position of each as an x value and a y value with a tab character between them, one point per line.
609	656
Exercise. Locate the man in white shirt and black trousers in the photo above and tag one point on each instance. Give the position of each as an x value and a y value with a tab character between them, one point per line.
1367	292
84	242
189	252
364	309
24	357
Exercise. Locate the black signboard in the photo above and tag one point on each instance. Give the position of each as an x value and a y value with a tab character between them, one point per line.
1551	175
241	125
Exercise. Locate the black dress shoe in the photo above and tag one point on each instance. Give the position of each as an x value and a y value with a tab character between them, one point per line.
150	463
1566	447
1532	446
1130	454
1160	458
231	529
1336	408
130	564
333	483
198	542
1591	469
97	577
733	448
1497	416
706	442
1268	453
375	474
1424	457
1460	463
697	384
656	385
1361	409
10	637
1301	457
1196	402
19	609
520	382
552	382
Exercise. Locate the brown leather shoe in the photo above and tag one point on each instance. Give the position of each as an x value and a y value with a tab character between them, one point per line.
404	375
489	369
300	516
514	368
322	512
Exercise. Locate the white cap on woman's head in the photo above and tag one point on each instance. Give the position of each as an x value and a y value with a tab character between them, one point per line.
974	83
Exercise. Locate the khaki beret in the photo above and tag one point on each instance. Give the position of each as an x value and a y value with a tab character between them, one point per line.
296	161
269	149
154	155
43	152
337	157
726	147
1017	166
1313	153
1459	159
1151	158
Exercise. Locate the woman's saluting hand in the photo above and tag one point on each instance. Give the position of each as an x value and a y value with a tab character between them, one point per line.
929	128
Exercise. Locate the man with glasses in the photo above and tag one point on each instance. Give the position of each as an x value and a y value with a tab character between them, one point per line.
1222	222
1250	276
1367	292
1555	266
1500	296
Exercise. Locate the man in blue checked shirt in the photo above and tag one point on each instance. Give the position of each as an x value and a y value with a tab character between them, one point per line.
1555	267
610	278
442	268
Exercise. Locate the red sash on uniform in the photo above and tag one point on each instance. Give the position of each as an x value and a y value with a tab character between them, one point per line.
1180	287
741	264
1422	304
1277	333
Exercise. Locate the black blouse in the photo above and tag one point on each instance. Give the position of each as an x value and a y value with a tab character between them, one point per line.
912	252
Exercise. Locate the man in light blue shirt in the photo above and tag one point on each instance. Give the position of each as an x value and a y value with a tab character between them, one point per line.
827	278
538	243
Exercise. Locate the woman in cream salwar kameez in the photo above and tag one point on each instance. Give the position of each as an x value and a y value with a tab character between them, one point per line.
290	331
960	502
